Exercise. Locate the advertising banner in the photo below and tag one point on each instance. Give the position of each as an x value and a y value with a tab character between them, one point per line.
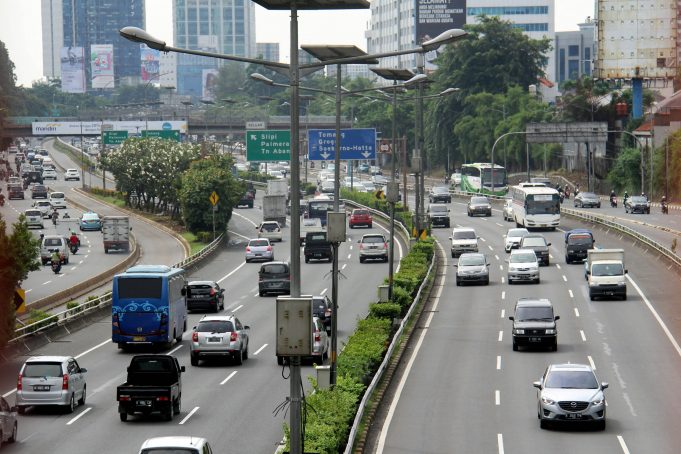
436	16
75	128
102	65
150	62
72	70
210	80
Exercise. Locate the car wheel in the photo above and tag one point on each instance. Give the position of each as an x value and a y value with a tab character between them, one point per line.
453	255
515	346
371	226
537	281
170	414
72	404
307	260
567	260
544	424
351	226
178	405
486	281
554	347
261	293
246	352
82	398
123	417
21	410
600	425
361	259
194	359
624	297
458	283
13	437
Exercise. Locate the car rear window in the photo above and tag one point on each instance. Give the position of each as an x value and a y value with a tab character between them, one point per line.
200	286
317	237
533	241
270	227
215	326
464	235
274	269
43	369
580	239
52	242
32	212
57	195
360	213
373	239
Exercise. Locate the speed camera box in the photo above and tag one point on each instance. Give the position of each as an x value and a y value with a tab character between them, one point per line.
294	326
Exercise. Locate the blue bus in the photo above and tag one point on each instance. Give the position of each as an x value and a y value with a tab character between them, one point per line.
148	305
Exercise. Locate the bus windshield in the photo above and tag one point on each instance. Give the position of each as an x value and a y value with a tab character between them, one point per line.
543	204
137	287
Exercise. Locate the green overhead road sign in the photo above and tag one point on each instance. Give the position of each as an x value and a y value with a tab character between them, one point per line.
114	137
171	134
274	145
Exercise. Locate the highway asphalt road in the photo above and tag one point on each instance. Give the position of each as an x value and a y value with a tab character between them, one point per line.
230	405
465	390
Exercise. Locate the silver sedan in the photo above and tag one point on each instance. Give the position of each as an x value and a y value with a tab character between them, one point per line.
259	249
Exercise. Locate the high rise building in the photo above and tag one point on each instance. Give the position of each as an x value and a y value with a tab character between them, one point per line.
575	52
53	36
268	51
97	22
224	26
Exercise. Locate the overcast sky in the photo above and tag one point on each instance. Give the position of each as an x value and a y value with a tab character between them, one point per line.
20	28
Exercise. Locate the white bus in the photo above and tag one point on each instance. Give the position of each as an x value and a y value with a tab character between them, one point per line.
535	206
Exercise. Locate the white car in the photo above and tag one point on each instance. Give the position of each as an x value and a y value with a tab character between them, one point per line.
508	210
44	206
270	230
71	174
58	200
379	180
456	179
513	238
34	218
184	444
523	266
277	174
464	239
49	174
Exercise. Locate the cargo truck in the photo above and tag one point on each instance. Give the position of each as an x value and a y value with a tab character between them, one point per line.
605	273
274	208
116	233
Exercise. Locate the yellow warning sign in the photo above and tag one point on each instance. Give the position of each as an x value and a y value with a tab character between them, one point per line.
414	233
423	234
20	300
380	195
214	199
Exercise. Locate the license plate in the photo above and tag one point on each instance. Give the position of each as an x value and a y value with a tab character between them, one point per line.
258	255
139	339
574	416
317	255
41	388
535	339
214	339
143	403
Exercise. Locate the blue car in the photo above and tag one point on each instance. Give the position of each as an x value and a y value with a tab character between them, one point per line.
90	221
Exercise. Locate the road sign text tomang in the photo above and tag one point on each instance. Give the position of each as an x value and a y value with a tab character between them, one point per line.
356	144
272	145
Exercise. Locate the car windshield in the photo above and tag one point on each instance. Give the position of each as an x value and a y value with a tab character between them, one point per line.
479	200
440	190
589	195
373	239
215	326
42	370
571	380
523	258
533	241
516	233
438	209
472	260
526	314
607	269
254	243
638	199
468	235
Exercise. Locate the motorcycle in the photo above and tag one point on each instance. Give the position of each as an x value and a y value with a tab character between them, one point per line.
613	202
665	208
562	197
2	200
56	266
73	248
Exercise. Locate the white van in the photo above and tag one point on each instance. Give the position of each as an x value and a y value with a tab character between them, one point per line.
57	200
49	244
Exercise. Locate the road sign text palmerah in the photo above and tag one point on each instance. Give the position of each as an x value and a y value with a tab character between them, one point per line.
114	137
271	145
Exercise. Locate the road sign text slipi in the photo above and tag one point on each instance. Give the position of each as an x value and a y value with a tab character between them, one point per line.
114	137
356	144
272	145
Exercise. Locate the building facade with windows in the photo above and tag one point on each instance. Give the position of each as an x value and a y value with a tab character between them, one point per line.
268	51
53	36
223	26
575	52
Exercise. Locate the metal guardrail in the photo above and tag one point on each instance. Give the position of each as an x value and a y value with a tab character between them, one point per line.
380	214
101	301
397	338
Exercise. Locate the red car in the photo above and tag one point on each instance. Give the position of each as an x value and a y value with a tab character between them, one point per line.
360	217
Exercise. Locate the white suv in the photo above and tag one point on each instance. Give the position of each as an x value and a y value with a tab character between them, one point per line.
464	240
71	174
523	266
373	246
58	200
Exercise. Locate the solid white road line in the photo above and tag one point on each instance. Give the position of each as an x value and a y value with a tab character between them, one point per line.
497	397
623	445
238	234
500	443
81	414
237	308
191	413
7	394
591	361
244	218
227	379
231	272
175	349
501	336
260	349
108	341
576	312
324	291
498	362
581	333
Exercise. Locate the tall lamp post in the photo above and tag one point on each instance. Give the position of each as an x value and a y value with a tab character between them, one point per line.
186	104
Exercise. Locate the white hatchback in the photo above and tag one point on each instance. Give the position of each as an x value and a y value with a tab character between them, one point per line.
71	174
270	230
58	200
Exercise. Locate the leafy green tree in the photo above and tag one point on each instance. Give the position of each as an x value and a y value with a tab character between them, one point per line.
198	183
625	174
19	252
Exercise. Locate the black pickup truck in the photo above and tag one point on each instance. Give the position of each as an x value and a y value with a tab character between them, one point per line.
154	385
317	247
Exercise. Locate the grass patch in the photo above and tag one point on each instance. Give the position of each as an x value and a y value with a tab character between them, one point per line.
194	242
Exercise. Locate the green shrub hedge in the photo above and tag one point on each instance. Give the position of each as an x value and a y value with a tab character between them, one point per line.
385	310
74	305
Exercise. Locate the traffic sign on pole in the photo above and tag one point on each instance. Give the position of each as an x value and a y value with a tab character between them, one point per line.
114	137
20	300
272	145
170	134
356	144
214	198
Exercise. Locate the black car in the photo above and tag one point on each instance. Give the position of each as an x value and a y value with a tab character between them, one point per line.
539	245
587	200
246	199
205	295
637	204
39	192
440	194
438	215
322	308
479	205
534	324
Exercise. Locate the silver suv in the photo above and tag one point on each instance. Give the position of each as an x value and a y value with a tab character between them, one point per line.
220	336
463	240
373	246
51	380
570	393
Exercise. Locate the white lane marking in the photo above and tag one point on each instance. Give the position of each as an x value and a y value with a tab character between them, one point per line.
497	397
657	317
227	379
175	349
230	273
62	275
351	247
7	394
344	265
108	341
551	257
245	218
623	445
498	362
500	225
501	336
45	283
591	361
238	234
73	268
500	443
502	279
86	256
558	265
571	294
581	333
349	255
237	308
28	290
496	256
576	312
564	278
80	415
257	294
410	363
324	291
503	312
503	295
501	267
260	349
490	247
81	262
483	239
191	413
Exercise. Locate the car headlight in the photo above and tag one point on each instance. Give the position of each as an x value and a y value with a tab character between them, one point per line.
548	401
550	331
598	402
519	331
